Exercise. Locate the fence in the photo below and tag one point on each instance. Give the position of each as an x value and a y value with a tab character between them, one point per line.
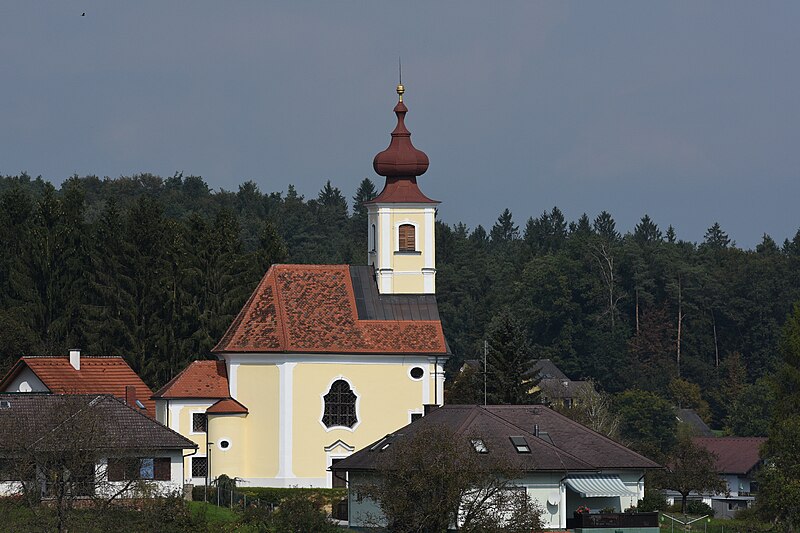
224	493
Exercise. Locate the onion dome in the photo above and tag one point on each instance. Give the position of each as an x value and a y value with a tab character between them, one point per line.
400	159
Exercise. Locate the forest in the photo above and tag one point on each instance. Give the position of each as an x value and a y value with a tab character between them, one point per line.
154	269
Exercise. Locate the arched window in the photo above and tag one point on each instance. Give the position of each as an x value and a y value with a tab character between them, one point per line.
340	405
405	238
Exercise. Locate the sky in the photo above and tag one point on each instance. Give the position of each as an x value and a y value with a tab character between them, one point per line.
687	111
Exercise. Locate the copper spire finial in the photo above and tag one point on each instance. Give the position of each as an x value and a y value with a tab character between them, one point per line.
400	88
401	159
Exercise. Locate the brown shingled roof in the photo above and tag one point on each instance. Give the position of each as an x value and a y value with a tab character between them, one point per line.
47	421
312	309
556	442
98	375
201	379
735	455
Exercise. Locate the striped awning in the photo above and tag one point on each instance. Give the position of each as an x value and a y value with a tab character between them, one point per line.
598	485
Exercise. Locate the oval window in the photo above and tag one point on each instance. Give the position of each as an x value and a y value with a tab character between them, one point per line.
224	444
417	372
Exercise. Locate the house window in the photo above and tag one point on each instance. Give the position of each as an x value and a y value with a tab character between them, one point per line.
199	466
133	468
520	444
199	423
340	406
339	479
405	238
372	239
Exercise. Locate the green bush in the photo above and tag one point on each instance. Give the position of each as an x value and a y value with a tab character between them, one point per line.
653	500
696	507
274	495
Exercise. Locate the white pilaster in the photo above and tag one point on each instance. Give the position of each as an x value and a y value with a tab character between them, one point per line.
286	412
385	242
233	380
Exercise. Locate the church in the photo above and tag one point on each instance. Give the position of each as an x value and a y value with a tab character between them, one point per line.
323	359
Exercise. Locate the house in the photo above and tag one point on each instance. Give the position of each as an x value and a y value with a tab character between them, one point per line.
738	460
565	465
85	444
690	419
79	374
556	388
323	359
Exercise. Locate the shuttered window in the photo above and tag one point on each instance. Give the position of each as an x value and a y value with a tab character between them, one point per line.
406	242
132	468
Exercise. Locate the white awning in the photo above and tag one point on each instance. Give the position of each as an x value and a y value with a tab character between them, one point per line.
598	485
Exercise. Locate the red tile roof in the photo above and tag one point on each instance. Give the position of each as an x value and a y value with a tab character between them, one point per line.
201	379
312	309
98	375
735	455
228	406
401	191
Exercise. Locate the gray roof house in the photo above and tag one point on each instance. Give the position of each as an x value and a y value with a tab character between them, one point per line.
565	464
115	447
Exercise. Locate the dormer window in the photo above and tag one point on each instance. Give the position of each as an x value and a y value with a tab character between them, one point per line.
405	238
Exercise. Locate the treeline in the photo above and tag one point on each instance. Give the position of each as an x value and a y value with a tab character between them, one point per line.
155	270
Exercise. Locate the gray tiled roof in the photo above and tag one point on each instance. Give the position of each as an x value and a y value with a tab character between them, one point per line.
557	443
49	421
372	305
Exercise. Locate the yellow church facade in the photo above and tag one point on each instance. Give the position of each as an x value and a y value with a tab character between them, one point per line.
323	359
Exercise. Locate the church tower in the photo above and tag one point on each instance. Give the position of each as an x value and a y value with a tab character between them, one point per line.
401	244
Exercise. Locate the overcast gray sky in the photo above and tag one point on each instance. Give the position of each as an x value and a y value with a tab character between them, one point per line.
686	111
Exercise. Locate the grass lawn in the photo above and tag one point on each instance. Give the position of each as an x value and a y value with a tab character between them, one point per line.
218	518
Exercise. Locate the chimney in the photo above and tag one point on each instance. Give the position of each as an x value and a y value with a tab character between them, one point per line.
75	358
130	395
536	429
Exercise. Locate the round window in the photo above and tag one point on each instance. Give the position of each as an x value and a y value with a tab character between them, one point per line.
224	444
417	372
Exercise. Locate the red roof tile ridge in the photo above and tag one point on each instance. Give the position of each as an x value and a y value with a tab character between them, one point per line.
244	312
555	448
279	307
351	294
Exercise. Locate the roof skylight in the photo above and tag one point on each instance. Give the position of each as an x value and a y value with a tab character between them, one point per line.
479	445
520	444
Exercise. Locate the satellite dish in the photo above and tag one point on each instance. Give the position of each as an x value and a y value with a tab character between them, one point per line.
554	498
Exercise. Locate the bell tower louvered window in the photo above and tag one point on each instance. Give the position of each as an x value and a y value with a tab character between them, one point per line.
340	406
405	238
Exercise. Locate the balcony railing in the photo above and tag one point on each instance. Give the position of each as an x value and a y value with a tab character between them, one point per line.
617	520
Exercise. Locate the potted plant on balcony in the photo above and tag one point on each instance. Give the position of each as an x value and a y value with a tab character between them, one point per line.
581	510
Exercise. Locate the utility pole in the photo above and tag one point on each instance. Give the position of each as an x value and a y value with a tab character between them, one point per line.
485	368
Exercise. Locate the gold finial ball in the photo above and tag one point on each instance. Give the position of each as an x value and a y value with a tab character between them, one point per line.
400	91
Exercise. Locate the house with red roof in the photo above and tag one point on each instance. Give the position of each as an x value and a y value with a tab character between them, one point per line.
80	374
323	359
738	460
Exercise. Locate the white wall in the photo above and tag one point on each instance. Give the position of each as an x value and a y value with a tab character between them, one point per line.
26	381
